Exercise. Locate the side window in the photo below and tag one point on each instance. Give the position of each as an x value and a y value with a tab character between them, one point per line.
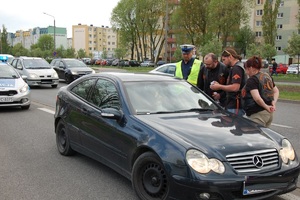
19	64
83	88
14	63
105	95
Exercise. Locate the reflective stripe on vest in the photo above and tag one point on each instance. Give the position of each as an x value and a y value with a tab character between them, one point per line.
193	77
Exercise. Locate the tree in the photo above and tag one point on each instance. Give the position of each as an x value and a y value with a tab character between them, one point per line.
45	42
19	50
4	47
269	21
268	51
213	46
81	53
244	37
293	48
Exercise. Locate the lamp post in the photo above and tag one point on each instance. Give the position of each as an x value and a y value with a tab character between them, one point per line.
54	29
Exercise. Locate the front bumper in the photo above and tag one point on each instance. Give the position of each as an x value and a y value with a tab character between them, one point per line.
20	99
237	187
39	82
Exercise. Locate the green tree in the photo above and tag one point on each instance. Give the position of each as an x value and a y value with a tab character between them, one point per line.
244	37
120	52
104	54
212	46
253	50
81	53
19	50
269	21
45	42
268	51
4	46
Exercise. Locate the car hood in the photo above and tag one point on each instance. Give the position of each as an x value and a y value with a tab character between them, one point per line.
8	84
42	71
209	132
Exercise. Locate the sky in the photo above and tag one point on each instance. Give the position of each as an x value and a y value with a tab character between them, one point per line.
24	15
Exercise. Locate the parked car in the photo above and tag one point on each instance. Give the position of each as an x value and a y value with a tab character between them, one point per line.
160	62
14	91
115	62
293	69
281	68
166	69
70	69
172	140
134	63
147	63
124	63
38	71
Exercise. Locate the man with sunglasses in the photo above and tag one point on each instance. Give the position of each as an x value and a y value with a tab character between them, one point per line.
235	81
213	70
189	67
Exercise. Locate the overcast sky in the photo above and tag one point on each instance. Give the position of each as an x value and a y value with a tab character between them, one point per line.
24	15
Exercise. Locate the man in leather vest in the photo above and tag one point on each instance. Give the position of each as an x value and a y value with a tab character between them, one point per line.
189	67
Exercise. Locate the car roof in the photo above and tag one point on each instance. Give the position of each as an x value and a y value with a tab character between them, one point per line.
132	77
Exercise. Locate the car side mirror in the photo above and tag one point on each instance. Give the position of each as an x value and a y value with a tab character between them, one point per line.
112	113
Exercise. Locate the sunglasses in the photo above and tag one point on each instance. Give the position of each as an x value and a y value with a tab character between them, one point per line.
226	53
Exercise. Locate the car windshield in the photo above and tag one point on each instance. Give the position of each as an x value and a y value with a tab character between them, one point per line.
74	63
7	72
166	97
36	64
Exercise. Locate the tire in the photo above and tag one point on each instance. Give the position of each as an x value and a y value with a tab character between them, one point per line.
54	86
25	107
149	178
63	140
68	78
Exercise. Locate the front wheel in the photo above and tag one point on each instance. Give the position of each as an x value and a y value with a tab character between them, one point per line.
63	140
149	178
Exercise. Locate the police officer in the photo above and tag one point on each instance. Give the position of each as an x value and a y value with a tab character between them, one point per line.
189	67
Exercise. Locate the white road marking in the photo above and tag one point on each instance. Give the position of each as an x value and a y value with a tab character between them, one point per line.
283	126
47	110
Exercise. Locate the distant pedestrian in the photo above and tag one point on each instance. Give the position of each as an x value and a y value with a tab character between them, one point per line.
260	93
274	67
213	70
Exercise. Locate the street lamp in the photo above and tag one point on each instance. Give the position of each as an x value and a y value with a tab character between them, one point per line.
54	27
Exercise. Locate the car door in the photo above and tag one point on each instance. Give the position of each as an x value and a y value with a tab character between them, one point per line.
103	136
60	69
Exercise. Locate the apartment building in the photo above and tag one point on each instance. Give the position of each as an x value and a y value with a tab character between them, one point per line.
94	40
31	36
286	23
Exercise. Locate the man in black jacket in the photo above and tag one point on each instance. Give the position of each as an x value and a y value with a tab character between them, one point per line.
213	70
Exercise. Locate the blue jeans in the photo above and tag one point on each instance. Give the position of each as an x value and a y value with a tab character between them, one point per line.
240	112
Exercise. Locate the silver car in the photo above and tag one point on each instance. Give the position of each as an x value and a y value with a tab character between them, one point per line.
14	91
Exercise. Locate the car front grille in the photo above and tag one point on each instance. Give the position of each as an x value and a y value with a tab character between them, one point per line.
254	161
8	93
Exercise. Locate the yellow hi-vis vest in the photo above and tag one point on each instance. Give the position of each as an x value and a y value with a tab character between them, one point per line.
193	77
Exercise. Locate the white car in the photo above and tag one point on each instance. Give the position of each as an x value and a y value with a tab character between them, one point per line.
14	91
147	63
293	69
165	69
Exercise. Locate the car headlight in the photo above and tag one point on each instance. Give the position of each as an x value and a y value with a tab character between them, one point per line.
74	72
93	72
32	75
24	89
55	75
287	152
202	164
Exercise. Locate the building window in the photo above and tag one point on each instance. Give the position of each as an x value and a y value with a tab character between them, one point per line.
280	15
279	26
278	48
259	12
258	23
281	4
258	34
259	2
278	37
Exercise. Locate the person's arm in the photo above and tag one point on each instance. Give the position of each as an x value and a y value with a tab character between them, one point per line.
276	95
227	88
257	98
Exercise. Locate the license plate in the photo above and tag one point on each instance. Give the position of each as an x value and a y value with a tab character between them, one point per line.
6	99
254	189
